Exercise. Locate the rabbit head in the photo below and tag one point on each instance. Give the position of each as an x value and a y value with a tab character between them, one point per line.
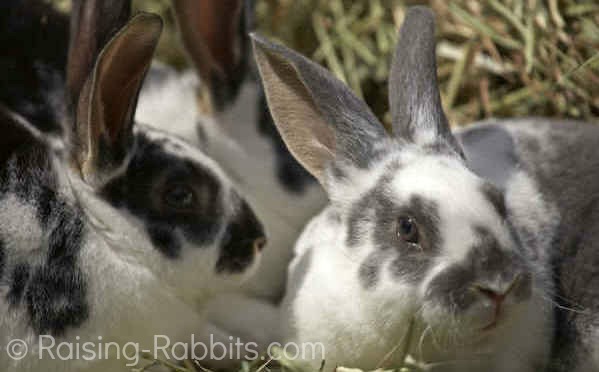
179	198
411	234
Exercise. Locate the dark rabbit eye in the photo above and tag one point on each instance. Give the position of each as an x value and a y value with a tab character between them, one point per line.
407	229
179	196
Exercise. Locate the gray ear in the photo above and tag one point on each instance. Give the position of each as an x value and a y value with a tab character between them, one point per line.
214	33
414	98
319	118
104	123
16	132
93	24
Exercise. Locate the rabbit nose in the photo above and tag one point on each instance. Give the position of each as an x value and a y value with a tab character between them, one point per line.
495	294
497	297
259	244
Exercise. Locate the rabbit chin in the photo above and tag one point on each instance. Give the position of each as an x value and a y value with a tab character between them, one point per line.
478	335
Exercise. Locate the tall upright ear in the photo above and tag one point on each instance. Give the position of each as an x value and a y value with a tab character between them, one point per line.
416	110
214	33
319	118
16	132
93	24
104	124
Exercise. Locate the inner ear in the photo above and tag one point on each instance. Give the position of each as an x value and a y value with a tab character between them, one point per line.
312	142
119	76
107	105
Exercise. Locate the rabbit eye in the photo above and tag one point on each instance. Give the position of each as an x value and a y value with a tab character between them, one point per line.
407	229
179	196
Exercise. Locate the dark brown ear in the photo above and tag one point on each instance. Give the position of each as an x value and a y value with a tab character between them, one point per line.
93	24
104	127
214	33
16	132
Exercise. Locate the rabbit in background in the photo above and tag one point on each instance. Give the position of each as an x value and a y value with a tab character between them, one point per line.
117	230
466	242
225	114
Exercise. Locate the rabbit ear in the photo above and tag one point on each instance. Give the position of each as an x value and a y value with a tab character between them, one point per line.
214	33
414	97
319	118
16	132
93	23
104	128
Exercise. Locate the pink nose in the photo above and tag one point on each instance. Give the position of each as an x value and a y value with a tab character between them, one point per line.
497	297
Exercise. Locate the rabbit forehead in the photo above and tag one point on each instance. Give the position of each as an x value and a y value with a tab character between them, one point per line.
181	149
462	198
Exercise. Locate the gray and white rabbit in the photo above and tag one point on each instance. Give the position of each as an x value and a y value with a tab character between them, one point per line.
121	233
225	114
415	254
559	158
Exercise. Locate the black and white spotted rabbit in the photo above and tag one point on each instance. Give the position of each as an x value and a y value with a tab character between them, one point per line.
418	252
123	232
225	114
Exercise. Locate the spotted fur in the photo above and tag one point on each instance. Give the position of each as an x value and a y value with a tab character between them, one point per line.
468	284
237	130
93	248
238	133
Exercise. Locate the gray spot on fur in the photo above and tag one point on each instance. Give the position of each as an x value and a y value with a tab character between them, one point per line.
296	280
496	199
370	269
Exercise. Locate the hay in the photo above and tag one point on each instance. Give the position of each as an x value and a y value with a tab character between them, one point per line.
495	58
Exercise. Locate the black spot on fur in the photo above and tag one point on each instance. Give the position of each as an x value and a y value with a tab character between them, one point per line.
289	172
20	276
238	243
140	189
56	299
49	286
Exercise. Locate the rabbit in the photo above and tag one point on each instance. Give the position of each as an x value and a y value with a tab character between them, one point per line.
559	156
116	232
219	105
415	254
